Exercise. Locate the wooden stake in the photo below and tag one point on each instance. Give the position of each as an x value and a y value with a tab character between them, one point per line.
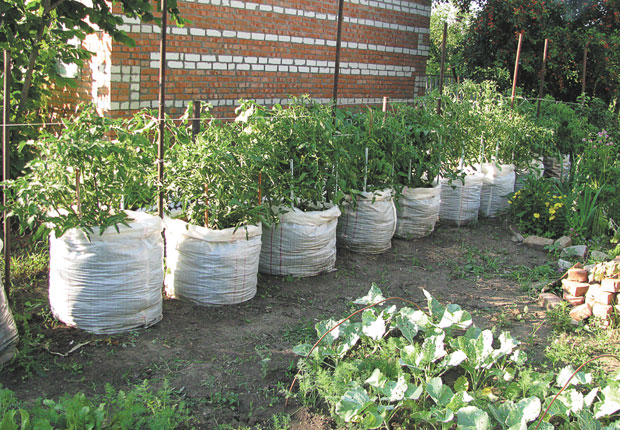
77	192
443	65
6	168
514	78
541	87
207	205
260	181
583	72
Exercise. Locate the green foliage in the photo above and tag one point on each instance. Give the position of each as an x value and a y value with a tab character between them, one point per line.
139	407
491	43
107	175
215	175
407	368
539	209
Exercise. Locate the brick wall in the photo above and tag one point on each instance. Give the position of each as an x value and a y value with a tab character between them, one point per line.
271	49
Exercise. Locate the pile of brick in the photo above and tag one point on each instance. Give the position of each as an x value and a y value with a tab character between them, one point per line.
593	292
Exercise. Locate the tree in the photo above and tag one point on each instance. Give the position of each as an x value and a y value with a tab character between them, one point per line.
40	33
490	46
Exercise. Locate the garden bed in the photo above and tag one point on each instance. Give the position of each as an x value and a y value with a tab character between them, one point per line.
232	364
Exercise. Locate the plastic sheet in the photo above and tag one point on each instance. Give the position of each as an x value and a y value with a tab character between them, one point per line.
417	212
8	330
110	282
368	227
211	267
497	184
302	244
460	201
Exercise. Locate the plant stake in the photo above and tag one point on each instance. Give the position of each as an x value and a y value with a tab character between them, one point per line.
6	168
292	177
77	192
207	205
366	168
541	88
514	78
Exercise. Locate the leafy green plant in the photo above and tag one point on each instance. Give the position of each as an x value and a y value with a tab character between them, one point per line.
539	209
409	368
214	178
140	407
82	177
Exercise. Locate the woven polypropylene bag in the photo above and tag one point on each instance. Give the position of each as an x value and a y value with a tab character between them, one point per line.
302	244
537	168
497	184
8	330
417	212
460	199
111	282
368	225
211	267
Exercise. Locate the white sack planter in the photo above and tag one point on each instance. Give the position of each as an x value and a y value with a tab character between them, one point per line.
537	167
497	184
8	330
302	244
555	168
211	267
417	212
111	282
460	201
368	227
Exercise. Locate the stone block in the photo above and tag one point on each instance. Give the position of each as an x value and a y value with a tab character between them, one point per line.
599	256
575	288
563	242
581	312
610	285
579	275
602	311
537	242
574	300
549	300
577	251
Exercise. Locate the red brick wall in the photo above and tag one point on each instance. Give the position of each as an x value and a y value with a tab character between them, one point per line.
269	50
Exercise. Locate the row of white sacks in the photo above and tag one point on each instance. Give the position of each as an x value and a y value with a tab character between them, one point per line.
111	282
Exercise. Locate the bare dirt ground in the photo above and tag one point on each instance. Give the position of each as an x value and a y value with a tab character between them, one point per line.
232	364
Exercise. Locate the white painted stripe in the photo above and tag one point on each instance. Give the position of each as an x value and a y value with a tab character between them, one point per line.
132	27
226	62
308	41
263	102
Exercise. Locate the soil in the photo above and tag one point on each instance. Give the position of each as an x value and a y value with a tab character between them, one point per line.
233	364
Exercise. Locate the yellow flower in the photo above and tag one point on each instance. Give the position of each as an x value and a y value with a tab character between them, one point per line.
547	204
552	217
552	211
537	215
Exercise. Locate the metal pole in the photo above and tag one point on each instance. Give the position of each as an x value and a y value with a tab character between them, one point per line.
162	102
196	120
6	168
443	65
541	87
338	44
514	78
583	72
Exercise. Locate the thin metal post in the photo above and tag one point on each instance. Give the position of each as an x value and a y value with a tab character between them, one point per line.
541	87
196	120
443	65
514	78
338	44
6	173
583	73
162	102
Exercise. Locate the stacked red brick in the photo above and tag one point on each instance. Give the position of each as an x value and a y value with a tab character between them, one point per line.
592	293
271	49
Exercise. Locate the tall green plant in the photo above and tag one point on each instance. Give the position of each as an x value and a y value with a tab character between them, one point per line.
214	177
84	177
